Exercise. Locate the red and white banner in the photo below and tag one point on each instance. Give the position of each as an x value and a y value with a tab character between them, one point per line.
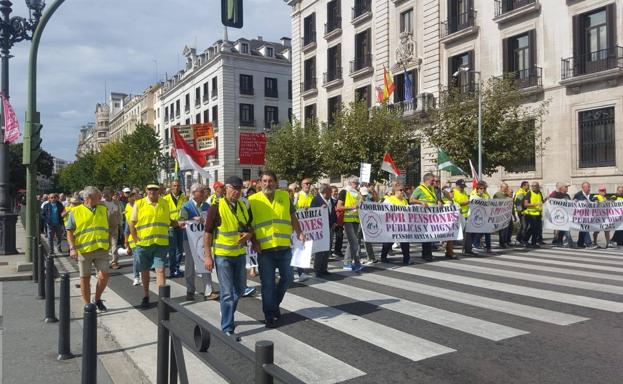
11	124
188	157
389	165
252	149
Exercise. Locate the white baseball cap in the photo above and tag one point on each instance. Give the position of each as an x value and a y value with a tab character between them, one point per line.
364	191
126	189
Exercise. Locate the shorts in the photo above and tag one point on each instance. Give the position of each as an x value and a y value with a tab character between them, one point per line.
98	258
153	256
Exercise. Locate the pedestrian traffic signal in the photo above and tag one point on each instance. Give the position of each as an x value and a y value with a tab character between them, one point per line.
231	13
35	142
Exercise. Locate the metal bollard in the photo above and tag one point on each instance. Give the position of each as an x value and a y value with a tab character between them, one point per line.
162	358
35	267
264	354
41	271
89	345
64	351
50	317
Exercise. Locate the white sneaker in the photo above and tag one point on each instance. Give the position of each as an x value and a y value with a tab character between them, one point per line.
296	277
136	282
303	277
368	262
396	246
612	244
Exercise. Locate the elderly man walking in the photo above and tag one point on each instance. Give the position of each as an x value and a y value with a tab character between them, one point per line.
323	200
114	220
52	213
273	219
176	200
347	203
88	233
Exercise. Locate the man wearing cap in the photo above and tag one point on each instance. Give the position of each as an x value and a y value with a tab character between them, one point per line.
273	219
176	200
195	209
88	238
149	225
533	209
347	202
227	231
218	192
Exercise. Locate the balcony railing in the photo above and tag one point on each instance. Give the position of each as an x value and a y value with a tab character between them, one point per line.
309	84
457	23
271	93
360	63
361	7
269	124
246	91
405	106
247	123
332	24
309	38
505	6
330	76
526	78
594	62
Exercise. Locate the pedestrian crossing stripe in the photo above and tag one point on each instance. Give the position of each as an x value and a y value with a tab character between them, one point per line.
575	257
563	263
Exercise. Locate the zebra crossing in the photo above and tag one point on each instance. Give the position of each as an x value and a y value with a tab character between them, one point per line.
407	315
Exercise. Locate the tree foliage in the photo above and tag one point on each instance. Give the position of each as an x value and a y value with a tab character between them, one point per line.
294	152
17	171
511	128
361	135
133	161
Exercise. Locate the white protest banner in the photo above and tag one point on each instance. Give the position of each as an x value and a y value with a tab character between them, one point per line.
315	224
386	223
489	215
364	172
583	216
301	253
194	232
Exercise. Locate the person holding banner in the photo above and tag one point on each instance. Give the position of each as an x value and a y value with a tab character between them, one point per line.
618	235
425	194
461	198
196	209
584	239
533	209
338	230
600	197
303	199
506	233
480	193
397	198
227	231
323	200
348	201
519	210
274	219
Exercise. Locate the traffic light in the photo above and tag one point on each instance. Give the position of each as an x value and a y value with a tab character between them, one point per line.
32	147
231	13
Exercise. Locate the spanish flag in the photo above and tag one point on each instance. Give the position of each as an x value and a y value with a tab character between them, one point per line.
389	84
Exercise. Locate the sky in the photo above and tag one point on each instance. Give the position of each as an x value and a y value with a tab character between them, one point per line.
90	46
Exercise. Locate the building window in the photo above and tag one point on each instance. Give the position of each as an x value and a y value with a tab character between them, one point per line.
246	174
187	122
246	84
270	87
270	52
271	116
519	59
101	134
363	57
405	87
215	116
406	21
290	115
206	116
463	80
334	17
334	63
290	89
309	29
246	115
187	103
596	138
244	48
206	92
310	112
460	15
197	96
198	118
214	87
363	94
166	114
309	76
361	7
177	108
333	107
166	136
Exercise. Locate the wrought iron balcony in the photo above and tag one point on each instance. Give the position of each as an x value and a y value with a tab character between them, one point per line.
361	7
309	38
247	123
246	91
332	75
526	78
505	6
457	23
309	84
592	63
360	63
332	24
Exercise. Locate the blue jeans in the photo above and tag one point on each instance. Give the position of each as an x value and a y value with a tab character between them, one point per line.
176	249
476	241
136	264
54	230
272	294
232	278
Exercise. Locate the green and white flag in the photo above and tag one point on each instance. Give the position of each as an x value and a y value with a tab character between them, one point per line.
444	163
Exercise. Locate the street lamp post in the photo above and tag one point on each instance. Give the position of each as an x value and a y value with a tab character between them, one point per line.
467	70
12	30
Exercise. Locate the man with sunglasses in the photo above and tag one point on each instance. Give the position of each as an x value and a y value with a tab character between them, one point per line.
149	225
227	231
274	220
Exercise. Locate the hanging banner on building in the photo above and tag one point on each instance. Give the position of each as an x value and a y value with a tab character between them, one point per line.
583	216
194	232
386	223
252	149
315	224
489	215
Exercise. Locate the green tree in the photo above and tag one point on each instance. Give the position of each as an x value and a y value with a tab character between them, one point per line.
361	135
17	171
294	152
109	166
511	129
79	174
142	155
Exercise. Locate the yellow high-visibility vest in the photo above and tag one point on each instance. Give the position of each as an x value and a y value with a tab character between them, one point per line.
271	221
128	213
535	198
303	200
350	216
518	200
484	196
152	226
227	234
175	208
92	230
461	197
396	201
600	198
429	196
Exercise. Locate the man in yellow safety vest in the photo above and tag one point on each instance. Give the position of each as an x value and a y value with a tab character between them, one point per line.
176	200
425	194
